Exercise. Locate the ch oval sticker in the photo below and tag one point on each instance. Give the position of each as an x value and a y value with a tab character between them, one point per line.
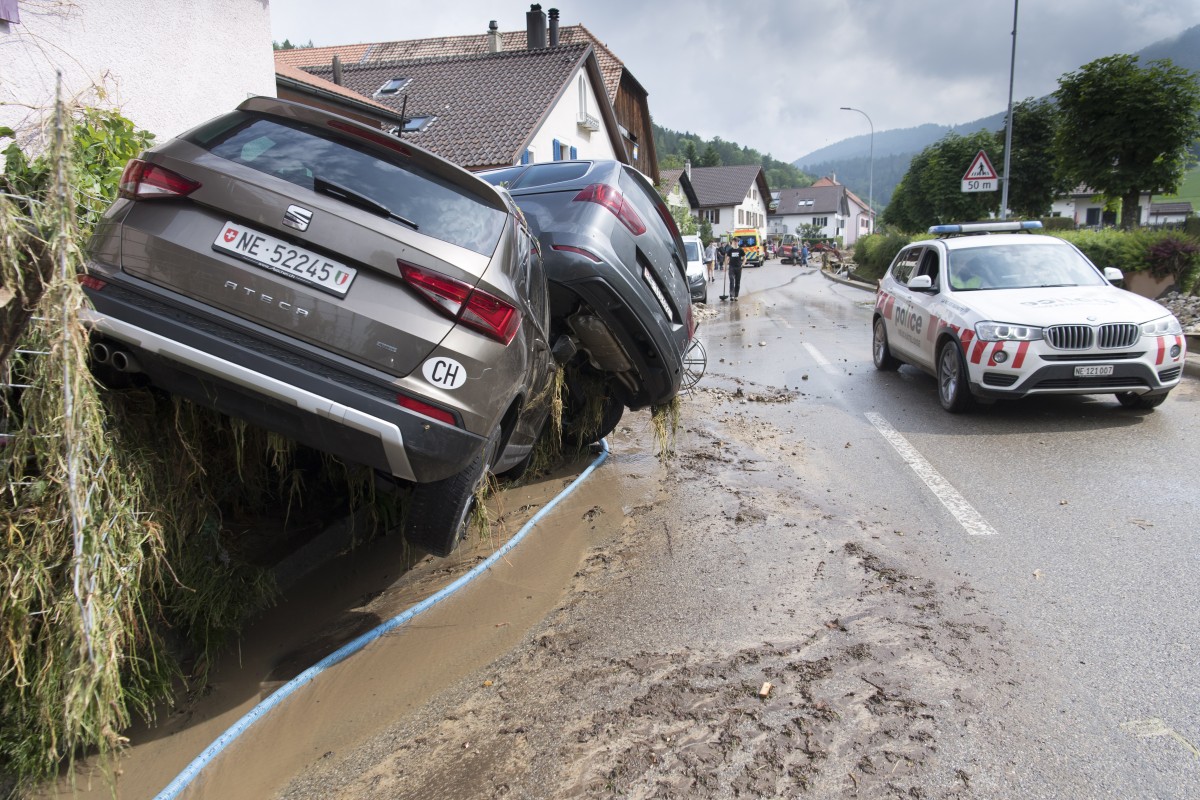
445	373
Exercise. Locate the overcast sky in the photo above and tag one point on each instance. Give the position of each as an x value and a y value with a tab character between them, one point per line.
772	74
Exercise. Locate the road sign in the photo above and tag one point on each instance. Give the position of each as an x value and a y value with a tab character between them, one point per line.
981	175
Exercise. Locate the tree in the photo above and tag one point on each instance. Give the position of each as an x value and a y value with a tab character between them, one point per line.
690	153
931	193
1033	178
1125	129
711	157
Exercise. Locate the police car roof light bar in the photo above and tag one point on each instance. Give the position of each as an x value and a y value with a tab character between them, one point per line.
986	227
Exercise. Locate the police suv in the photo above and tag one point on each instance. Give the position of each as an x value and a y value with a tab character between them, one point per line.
995	311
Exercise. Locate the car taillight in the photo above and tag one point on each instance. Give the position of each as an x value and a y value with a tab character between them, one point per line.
460	301
92	282
390	142
144	181
612	199
425	409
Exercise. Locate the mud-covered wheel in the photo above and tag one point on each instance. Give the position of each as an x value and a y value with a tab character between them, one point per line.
1141	401
954	389
880	352
439	513
592	409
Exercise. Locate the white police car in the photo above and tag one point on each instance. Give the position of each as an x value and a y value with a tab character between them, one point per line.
1006	313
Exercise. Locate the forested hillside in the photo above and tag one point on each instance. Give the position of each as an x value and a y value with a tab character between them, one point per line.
674	148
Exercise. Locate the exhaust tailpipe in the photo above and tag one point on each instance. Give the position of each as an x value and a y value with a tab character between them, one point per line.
101	353
125	362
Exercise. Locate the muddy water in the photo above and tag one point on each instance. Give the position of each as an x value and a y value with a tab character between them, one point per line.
357	698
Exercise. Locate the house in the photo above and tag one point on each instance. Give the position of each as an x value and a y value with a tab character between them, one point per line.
1087	208
676	187
623	93
1173	213
732	197
491	109
127	54
827	205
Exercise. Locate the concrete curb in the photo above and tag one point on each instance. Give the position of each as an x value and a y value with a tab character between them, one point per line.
1191	366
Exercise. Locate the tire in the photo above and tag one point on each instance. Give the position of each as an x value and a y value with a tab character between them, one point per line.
954	389
881	354
576	430
439	513
1141	401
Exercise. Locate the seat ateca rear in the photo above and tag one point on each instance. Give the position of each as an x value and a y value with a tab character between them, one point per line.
338	285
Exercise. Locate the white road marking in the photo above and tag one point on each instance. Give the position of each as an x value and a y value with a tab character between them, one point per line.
955	503
821	360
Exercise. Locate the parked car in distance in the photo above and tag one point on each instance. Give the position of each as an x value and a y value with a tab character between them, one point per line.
620	313
697	275
337	285
996	313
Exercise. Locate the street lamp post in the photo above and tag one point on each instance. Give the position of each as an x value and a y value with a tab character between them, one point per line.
871	167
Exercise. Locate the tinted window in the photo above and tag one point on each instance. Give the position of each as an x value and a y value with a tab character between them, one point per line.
501	177
300	154
542	174
905	264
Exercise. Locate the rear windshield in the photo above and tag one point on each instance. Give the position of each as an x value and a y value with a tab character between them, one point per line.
312	158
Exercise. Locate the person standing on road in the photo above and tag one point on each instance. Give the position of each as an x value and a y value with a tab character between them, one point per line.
736	256
710	255
804	254
722	249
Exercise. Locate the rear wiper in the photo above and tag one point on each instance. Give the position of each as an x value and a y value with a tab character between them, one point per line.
351	197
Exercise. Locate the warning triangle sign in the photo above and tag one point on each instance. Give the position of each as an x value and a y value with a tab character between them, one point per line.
981	169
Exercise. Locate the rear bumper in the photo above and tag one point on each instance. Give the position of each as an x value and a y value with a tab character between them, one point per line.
344	415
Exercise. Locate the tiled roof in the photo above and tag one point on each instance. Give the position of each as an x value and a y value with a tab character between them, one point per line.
487	107
611	67
314	56
724	186
668	178
1171	208
308	79
825	199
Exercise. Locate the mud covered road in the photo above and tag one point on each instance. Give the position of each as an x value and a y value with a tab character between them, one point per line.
780	609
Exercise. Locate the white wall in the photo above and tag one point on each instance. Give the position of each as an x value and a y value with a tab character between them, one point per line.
166	65
561	124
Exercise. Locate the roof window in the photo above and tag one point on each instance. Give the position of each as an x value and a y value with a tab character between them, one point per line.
392	86
414	124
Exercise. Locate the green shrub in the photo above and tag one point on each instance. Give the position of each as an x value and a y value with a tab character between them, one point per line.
1176	257
874	252
1058	224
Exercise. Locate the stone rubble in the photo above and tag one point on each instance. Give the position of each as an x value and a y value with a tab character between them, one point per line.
1184	306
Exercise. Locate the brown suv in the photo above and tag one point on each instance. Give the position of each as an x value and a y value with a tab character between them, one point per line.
338	285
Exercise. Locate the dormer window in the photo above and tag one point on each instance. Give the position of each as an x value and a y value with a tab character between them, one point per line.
392	86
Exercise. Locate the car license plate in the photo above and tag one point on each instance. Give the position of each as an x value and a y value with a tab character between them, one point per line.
286	259
1094	370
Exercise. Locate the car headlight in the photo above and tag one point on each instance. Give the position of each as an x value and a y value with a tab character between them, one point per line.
1006	332
1163	326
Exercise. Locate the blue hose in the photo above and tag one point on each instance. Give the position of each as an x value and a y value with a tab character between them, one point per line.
183	779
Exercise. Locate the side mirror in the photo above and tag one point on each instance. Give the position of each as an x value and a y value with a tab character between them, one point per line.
1113	275
920	283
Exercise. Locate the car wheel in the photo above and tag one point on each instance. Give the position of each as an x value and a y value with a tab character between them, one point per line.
1142	401
591	409
439	513
880	352
953	389
695	362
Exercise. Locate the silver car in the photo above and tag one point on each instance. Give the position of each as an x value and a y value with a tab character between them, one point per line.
336	284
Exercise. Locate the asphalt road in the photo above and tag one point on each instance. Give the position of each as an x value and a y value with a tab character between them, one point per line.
1074	519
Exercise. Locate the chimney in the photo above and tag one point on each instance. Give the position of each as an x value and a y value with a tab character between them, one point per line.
337	70
687	168
554	27
495	43
535	27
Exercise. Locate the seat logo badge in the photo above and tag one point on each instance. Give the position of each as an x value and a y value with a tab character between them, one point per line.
297	217
444	372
